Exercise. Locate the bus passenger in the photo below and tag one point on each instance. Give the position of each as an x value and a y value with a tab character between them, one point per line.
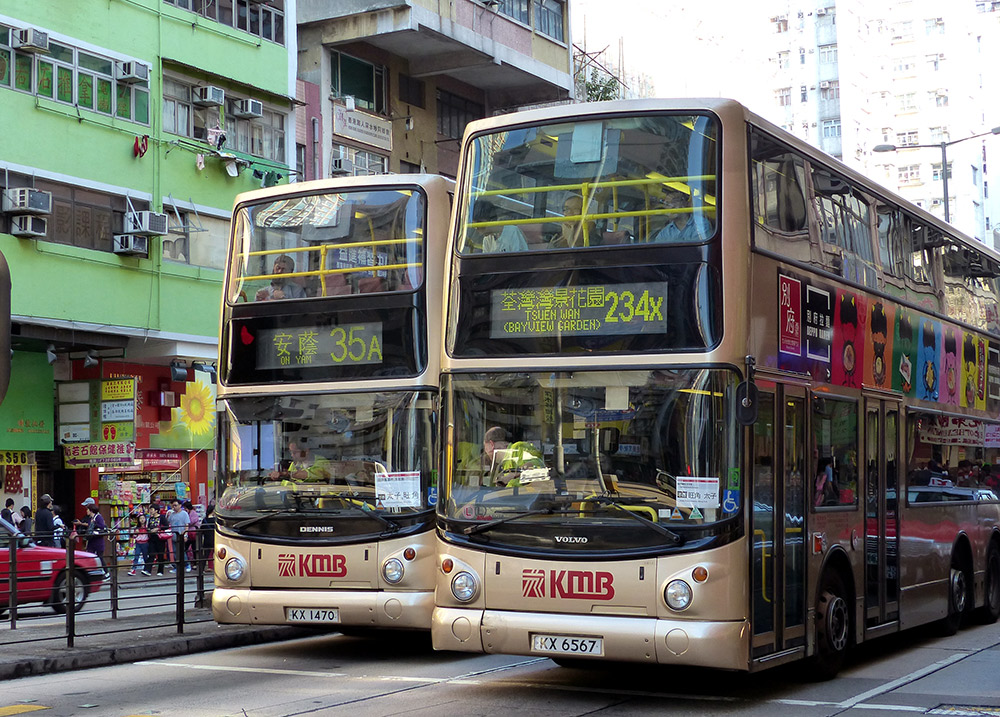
281	288
573	230
304	467
826	486
493	239
686	225
494	439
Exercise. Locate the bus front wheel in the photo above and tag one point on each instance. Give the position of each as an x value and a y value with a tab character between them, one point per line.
990	611
833	627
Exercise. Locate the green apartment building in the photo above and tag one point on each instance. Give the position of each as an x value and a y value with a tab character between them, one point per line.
127	127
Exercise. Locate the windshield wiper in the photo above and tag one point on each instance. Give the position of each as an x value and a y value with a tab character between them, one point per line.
391	525
273	513
616	503
483	527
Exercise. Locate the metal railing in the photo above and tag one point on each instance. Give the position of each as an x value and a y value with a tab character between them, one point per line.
36	588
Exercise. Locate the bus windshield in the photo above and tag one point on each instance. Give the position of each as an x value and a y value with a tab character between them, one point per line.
594	449
327	244
592	183
329	454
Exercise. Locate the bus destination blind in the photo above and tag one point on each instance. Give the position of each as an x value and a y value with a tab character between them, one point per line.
351	344
593	310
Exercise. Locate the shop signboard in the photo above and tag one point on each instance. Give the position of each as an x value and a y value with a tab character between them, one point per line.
161	460
362	127
97	411
26	415
13	458
86	455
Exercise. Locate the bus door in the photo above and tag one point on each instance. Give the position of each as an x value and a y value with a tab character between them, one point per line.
778	492
881	512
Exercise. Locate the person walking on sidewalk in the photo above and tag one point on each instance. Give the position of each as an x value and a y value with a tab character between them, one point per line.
44	525
191	541
179	521
141	553
158	529
93	530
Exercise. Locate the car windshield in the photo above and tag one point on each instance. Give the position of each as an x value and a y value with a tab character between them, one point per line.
592	183
602	447
340	454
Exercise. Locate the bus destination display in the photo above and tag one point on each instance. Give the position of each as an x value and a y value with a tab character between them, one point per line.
592	310
350	344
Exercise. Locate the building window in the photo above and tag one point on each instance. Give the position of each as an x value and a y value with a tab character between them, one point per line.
936	171
549	18
262	20
780	23
831	129
783	60
176	107
934	26
803	93
71	76
935	61
262	136
830	90
411	91
906	139
516	9
940	98
906	64
908	173
361	80
904	31
907	102
362	161
408	167
454	112
828	54
802	55
784	96
939	134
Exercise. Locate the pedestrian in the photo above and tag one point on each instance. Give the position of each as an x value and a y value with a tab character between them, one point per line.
192	534
15	515
93	529
26	524
141	553
178	520
58	527
158	529
44	525
8	511
208	535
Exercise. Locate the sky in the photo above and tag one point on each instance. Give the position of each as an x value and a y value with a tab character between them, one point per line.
688	48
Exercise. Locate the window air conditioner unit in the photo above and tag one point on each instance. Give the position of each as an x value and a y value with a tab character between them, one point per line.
821	11
28	225
131	244
131	72
29	40
209	96
341	165
146	223
825	84
248	109
24	200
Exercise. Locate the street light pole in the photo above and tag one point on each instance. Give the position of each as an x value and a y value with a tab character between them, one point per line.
944	159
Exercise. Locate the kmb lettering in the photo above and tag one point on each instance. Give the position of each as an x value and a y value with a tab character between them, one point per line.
570	584
312	566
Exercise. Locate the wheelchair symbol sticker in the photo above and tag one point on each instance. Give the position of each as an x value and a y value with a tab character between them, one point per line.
432	495
731	501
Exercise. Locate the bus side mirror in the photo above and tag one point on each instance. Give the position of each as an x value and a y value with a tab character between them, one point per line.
746	403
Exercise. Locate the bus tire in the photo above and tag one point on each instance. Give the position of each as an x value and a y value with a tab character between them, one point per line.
833	627
958	598
990	611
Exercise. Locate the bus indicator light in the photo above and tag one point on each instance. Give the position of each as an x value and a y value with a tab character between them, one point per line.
700	574
447	565
819	543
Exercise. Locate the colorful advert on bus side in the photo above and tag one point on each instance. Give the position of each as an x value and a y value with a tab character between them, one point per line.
843	337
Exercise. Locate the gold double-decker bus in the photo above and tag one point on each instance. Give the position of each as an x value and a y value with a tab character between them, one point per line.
709	397
328	395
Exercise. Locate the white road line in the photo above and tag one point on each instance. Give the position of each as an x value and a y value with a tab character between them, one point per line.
905	679
258	670
893	708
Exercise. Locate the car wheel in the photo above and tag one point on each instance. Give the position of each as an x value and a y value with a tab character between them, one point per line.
958	599
833	627
990	611
59	593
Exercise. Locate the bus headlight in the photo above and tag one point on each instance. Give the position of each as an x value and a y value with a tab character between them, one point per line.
235	568
678	595
392	570
464	586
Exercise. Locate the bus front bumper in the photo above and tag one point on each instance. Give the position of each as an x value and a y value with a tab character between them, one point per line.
722	645
355	608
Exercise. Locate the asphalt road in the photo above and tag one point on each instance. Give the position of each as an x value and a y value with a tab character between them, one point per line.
332	674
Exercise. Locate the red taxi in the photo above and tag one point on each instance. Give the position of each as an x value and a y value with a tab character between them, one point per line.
41	572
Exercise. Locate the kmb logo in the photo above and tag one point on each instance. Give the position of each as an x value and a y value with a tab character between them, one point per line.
572	584
312	566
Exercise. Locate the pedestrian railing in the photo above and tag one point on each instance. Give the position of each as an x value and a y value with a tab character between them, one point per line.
39	580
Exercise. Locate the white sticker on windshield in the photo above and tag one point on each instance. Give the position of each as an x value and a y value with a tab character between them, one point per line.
398	490
695	492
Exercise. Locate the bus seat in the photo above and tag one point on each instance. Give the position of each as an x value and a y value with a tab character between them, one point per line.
371	284
335	285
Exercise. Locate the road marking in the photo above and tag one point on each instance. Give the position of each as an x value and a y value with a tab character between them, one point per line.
225	668
905	679
20	709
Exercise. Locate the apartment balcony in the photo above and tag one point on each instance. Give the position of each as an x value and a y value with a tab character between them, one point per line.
474	43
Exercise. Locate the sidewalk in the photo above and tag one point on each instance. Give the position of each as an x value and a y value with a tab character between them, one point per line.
140	635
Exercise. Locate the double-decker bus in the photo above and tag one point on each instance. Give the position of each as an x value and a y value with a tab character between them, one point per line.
328	393
709	397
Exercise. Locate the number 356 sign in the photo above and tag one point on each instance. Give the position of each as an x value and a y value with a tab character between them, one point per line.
13	458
